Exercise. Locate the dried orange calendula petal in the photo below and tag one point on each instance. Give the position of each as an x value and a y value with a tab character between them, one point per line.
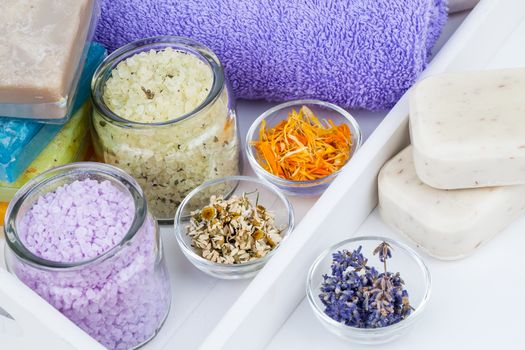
301	148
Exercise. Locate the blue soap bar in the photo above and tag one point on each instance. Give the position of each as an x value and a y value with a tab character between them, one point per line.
22	140
14	134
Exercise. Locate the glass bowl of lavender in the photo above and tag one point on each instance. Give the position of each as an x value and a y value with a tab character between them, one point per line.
368	290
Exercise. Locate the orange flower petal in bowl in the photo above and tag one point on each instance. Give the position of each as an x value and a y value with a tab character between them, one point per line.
301	146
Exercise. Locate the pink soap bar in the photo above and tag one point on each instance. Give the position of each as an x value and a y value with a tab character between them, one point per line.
42	49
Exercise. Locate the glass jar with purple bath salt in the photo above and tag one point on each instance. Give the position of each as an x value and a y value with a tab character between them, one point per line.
81	236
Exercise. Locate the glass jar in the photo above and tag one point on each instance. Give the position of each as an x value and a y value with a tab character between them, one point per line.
120	297
171	158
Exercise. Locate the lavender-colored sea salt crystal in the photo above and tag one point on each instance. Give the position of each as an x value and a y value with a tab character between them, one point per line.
121	298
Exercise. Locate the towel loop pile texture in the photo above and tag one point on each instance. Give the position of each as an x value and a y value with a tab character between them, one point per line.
356	53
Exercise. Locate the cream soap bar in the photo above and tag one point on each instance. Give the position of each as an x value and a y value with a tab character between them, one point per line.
447	224
468	129
41	46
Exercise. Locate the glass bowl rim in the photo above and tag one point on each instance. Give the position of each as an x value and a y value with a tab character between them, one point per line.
276	179
180	235
391	328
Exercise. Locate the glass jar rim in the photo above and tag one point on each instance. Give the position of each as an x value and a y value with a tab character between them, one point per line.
179	43
21	251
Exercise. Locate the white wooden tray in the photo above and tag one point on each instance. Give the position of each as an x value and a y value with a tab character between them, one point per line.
217	314
475	302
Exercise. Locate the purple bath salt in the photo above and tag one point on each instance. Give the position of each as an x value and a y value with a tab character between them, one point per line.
121	299
78	221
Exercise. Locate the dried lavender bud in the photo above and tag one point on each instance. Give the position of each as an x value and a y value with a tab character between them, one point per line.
359	296
384	250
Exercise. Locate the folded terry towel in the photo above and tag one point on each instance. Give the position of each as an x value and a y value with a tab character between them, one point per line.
356	53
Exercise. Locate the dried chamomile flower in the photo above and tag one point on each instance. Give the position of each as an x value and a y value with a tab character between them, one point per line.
208	213
233	231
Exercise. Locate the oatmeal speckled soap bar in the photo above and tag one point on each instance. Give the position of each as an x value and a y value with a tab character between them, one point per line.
447	224
468	129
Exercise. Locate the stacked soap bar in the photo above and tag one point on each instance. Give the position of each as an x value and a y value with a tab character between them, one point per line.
42	51
23	140
69	145
448	224
468	129
463	179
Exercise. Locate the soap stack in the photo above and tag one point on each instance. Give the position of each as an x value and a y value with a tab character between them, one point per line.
462	180
46	65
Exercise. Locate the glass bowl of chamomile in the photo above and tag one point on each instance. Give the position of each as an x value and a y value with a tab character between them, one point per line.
230	227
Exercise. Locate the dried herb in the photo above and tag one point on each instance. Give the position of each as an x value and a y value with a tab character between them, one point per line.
233	231
359	296
385	252
302	148
149	94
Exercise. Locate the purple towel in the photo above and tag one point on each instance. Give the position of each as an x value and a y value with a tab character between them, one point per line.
356	53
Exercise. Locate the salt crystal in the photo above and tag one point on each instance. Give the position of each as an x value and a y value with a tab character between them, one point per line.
105	298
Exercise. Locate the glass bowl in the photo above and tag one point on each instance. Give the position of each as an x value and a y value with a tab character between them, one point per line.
404	260
266	194
273	116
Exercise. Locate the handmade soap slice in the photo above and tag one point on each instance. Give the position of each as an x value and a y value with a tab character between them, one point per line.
23	140
41	54
468	129
447	224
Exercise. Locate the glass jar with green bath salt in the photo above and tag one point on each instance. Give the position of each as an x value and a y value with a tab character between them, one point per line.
163	112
